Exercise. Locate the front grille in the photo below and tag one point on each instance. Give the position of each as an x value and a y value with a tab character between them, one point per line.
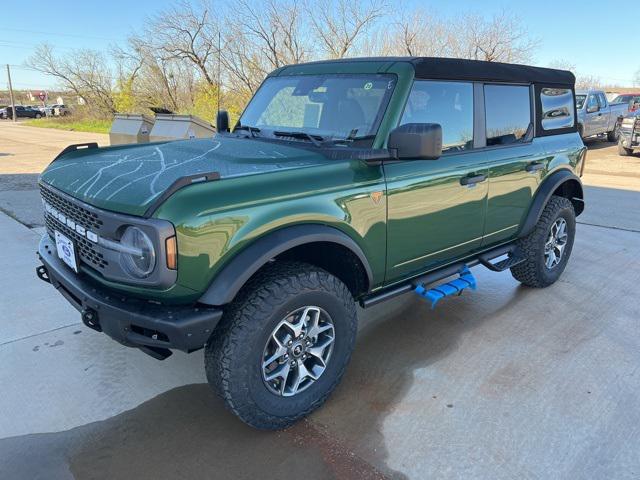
86	250
80	215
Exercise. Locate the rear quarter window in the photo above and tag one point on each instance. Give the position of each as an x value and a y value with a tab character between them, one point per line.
557	108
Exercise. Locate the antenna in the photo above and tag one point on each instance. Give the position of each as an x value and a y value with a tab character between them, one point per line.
219	79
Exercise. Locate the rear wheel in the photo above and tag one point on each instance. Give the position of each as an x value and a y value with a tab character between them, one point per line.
283	345
622	150
548	247
614	134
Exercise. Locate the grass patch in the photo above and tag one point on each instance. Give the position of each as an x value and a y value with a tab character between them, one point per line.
73	124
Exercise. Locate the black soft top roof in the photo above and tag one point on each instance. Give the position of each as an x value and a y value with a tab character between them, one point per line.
451	69
459	69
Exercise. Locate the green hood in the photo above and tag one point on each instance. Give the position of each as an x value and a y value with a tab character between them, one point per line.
129	178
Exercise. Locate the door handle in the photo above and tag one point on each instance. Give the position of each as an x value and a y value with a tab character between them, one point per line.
534	167
471	180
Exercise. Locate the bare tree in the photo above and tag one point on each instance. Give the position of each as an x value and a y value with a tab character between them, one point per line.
588	81
340	24
636	78
416	34
500	39
274	29
563	64
85	72
187	33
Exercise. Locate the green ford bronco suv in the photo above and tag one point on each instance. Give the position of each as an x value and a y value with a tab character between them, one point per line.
343	181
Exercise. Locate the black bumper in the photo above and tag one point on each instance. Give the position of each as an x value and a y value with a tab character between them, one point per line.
133	322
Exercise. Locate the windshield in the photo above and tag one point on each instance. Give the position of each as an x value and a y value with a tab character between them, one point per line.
580	101
333	107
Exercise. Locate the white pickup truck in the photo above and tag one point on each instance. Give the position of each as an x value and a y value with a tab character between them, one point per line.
596	116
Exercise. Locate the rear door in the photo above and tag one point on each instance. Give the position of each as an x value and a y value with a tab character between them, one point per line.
436	207
515	161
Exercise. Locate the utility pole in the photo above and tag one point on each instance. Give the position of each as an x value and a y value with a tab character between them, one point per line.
13	103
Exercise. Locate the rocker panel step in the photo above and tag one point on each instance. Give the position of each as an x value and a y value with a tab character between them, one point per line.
454	287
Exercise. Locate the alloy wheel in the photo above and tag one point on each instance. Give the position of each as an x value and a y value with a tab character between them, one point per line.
556	243
298	351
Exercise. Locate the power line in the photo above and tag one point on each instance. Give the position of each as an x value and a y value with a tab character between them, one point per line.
60	34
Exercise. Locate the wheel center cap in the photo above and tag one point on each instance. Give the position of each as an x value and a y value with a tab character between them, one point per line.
297	350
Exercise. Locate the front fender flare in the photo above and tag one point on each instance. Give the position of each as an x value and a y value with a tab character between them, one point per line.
544	193
228	282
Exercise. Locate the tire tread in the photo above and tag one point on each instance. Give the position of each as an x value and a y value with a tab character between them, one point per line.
258	299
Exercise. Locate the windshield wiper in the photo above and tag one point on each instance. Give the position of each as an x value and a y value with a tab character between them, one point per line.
252	130
315	139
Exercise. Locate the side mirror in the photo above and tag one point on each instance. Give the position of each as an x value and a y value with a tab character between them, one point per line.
593	109
222	121
416	141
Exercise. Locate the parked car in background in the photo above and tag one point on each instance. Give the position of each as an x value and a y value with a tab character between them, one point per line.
629	134
61	111
21	112
3	112
57	109
632	100
596	116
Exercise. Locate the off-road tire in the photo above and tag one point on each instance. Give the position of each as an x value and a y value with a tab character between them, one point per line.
614	134
624	151
533	272
233	355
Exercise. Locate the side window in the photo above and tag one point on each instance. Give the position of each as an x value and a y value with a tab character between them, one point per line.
448	103
507	113
557	108
592	104
602	100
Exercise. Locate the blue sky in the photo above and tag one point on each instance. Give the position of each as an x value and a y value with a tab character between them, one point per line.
580	32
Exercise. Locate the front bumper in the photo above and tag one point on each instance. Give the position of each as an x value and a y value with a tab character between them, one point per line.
630	134
152	327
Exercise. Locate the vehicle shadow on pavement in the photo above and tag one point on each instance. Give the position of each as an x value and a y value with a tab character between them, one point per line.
18	181
186	432
597	143
183	433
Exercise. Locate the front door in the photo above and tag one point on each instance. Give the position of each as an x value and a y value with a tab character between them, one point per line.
595	122
436	207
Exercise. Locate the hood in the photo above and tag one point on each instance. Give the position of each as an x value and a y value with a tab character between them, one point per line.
129	178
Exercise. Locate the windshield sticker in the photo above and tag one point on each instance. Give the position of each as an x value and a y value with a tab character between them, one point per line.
368	86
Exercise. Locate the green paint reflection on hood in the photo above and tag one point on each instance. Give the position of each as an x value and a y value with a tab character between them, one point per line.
128	178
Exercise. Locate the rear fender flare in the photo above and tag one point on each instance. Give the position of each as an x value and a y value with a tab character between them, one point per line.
544	193
228	282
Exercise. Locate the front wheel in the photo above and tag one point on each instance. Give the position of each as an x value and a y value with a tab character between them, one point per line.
282	345
624	151
548	247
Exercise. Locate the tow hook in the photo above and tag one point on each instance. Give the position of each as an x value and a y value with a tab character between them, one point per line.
90	319
43	274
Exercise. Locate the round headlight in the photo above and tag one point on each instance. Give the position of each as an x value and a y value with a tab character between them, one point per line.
137	257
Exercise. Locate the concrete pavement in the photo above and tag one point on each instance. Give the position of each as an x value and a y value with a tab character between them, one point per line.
24	152
505	382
